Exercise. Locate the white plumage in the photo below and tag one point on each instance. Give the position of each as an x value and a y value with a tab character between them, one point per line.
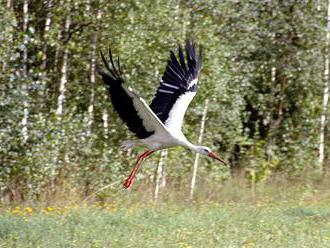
149	119
175	116
157	126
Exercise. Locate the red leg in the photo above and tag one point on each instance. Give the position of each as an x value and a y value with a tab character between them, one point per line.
129	180
139	158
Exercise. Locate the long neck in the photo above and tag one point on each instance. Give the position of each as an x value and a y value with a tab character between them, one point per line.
191	146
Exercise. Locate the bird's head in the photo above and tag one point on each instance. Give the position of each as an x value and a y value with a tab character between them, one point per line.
207	151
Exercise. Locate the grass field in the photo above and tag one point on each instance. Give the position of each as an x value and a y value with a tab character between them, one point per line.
300	219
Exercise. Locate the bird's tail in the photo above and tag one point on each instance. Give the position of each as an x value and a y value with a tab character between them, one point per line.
127	145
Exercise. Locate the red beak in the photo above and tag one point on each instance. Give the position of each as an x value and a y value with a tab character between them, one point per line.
213	155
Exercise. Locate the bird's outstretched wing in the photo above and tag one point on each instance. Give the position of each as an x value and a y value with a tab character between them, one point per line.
178	86
132	109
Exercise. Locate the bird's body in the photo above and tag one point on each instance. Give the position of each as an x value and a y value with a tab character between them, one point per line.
157	126
159	141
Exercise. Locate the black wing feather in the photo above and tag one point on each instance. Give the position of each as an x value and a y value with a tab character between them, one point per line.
121	101
176	79
175	65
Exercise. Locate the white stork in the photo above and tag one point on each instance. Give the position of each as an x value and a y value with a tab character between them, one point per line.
157	126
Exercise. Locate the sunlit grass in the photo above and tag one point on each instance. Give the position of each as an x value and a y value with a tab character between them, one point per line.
235	214
208	225
262	224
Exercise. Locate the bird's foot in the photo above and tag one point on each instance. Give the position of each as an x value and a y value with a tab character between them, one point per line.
128	182
127	145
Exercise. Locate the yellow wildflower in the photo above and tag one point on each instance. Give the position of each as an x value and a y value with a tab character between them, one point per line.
16	210
50	209
28	210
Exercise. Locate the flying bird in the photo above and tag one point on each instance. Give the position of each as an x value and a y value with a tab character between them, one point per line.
158	125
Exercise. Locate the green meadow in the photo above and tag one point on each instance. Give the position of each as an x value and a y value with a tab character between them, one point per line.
274	216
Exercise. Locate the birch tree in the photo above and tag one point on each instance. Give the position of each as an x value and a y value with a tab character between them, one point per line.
49	6
10	4
25	72
105	114
61	98
64	68
325	89
200	139
59	47
105	119
92	75
270	139
160	174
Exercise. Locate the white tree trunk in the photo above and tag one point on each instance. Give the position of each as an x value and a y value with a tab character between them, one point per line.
49	6
63	82
60	99
59	47
200	139
105	119
325	90
64	71
26	37
270	141
160	175
25	119
57	52
92	77
318	5
273	75
10	4
92	93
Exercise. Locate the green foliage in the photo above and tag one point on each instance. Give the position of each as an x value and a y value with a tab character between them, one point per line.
255	121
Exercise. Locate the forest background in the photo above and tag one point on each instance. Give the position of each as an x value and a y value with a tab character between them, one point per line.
263	93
